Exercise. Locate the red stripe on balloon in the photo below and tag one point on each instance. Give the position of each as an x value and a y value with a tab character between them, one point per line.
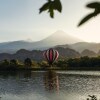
51	55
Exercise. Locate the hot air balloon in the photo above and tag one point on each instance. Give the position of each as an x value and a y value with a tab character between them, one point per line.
51	55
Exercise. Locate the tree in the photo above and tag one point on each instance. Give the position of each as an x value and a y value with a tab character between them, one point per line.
28	62
6	62
14	62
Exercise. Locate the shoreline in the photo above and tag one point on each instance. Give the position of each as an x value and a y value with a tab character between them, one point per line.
55	69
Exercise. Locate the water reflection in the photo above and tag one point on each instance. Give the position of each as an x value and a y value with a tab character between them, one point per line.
16	83
24	76
7	74
27	74
51	81
48	85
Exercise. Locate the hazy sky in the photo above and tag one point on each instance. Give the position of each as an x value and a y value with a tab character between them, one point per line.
20	20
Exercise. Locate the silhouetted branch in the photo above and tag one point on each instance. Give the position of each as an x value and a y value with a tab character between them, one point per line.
96	7
51	6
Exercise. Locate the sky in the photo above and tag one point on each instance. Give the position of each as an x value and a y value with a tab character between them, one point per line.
20	20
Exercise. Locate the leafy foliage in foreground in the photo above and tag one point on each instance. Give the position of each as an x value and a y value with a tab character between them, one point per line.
96	10
51	5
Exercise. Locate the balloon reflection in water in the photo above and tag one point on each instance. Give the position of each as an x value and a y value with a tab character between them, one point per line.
51	81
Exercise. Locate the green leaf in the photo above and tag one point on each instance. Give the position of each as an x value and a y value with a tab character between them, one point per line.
93	5
96	7
44	7
95	13
51	10
51	5
86	18
57	5
51	13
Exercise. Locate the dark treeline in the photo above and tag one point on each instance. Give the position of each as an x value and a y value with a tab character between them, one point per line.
15	64
82	63
88	63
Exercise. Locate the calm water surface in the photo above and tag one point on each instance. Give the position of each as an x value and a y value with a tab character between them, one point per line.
50	85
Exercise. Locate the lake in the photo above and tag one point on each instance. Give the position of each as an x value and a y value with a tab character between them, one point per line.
51	85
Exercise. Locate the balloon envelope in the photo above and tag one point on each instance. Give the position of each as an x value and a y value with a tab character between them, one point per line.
51	55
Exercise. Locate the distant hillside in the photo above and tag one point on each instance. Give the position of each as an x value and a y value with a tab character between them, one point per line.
80	46
98	53
88	53
67	52
57	38
12	47
38	55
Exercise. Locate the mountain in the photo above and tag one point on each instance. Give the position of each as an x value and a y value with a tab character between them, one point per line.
12	47
37	55
88	53
80	46
98	53
57	38
67	52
